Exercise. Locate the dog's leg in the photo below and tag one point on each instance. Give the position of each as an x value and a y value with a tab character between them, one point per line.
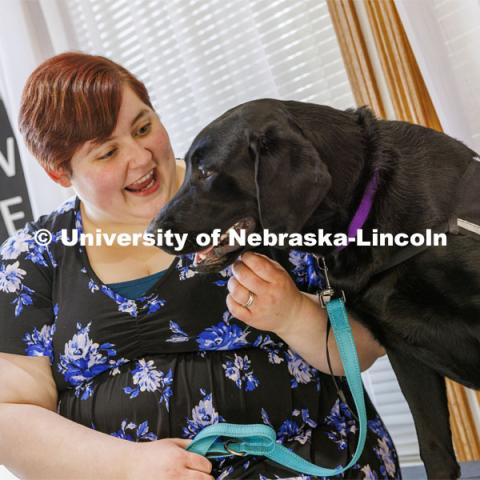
426	395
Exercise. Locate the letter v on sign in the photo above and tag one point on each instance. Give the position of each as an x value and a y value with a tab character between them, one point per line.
8	164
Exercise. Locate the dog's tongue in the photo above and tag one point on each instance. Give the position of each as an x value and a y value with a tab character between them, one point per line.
202	254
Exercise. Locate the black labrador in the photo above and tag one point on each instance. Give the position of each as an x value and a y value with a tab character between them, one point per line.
298	167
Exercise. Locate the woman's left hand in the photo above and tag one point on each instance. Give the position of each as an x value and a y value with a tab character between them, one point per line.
276	299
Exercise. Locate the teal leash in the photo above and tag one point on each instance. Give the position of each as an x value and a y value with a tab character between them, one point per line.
228	439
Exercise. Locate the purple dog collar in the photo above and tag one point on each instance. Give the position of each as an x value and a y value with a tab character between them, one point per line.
363	210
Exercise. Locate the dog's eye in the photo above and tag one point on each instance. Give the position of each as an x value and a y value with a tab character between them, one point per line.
205	172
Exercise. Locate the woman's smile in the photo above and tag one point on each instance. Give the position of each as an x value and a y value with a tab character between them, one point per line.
145	185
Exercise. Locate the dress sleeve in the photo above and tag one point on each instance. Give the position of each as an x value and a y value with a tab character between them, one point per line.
26	310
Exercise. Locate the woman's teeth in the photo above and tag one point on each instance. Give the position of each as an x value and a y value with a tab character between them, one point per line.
143	183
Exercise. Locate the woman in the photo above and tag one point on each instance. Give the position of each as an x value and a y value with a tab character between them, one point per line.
140	347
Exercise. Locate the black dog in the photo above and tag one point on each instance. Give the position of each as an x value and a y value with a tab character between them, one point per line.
296	167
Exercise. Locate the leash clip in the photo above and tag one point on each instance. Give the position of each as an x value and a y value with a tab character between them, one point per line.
328	293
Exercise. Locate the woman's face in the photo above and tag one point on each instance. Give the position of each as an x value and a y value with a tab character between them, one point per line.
129	177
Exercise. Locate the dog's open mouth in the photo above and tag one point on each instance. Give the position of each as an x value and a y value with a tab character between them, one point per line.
216	257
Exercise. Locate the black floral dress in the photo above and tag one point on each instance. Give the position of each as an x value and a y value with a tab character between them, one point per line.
173	361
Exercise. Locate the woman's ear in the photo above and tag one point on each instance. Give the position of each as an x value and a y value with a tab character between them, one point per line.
60	176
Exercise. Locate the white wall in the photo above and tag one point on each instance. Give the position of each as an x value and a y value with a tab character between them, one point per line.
24	43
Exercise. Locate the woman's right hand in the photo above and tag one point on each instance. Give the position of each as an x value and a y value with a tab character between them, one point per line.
167	459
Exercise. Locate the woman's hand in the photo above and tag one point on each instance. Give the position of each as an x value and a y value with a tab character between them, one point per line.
296	317
276	299
167	459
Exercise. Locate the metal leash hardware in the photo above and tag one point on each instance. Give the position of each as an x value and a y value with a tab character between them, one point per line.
328	293
231	451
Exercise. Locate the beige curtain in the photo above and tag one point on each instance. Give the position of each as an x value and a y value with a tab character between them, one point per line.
355	55
412	103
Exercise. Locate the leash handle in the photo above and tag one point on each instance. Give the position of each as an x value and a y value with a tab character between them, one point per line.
226	439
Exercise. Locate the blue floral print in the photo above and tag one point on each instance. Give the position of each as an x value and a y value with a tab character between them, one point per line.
83	360
23	242
39	343
152	303
16	245
123	304
178	335
38	252
240	371
385	449
23	299
306	271
92	286
130	431
342	421
184	265
66	206
275	350
223	336
225	274
300	370
11	277
203	414
147	378
291	430
369	473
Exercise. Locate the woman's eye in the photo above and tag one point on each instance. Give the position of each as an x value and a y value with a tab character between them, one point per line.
109	154
143	130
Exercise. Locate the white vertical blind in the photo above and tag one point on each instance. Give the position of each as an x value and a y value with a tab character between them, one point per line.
445	38
459	24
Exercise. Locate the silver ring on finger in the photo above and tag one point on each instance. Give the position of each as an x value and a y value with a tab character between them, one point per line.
251	298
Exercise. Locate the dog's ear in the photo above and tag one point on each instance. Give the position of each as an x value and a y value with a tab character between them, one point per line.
290	177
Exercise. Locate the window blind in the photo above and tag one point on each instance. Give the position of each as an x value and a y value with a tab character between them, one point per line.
200	58
460	30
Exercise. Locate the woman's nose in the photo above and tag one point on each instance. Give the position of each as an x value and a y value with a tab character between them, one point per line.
138	155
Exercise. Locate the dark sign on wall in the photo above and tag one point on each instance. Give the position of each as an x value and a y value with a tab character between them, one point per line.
15	208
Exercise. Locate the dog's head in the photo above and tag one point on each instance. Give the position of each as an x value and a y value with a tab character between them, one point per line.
251	168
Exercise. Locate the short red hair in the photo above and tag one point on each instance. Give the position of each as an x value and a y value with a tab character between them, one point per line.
70	99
